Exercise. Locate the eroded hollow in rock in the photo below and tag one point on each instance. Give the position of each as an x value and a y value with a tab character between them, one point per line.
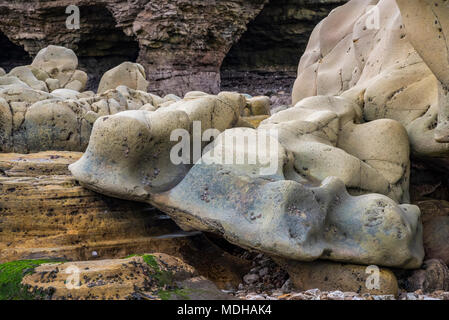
102	45
11	54
265	59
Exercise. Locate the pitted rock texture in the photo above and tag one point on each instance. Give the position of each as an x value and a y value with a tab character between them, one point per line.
433	276
435	216
387	66
147	277
328	276
180	43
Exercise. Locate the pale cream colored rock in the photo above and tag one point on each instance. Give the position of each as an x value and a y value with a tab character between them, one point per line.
387	63
52	84
78	81
2	72
147	136
74	85
127	74
58	62
166	104
259	105
171	97
40	74
148	107
219	112
427	23
195	94
24	74
327	139
56	125
259	204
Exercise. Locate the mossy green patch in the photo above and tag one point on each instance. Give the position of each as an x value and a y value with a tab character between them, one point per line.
11	275
164	278
180	293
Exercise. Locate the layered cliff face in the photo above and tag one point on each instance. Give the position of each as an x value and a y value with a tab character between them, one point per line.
181	44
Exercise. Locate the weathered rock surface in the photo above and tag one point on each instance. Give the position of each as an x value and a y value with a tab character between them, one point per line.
258	209
324	135
384	67
435	217
148	135
46	214
329	276
131	75
59	63
147	277
433	276
42	106
296	210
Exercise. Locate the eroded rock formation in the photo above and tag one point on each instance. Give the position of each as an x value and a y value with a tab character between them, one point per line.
330	179
46	214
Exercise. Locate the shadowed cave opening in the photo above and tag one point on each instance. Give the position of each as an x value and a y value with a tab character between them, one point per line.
265	59
12	55
102	45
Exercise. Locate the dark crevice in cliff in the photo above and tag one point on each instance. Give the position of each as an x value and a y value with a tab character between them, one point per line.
265	59
12	55
102	45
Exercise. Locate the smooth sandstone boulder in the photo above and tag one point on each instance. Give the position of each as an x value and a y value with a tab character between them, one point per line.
137	161
259	106
328	276
155	276
59	63
56	125
433	276
66	93
389	70
9	81
285	218
128	74
256	198
251	203
16	101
